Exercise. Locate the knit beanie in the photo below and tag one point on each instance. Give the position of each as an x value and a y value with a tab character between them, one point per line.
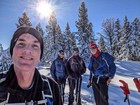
20	31
76	49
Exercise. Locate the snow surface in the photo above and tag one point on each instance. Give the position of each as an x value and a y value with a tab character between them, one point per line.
126	70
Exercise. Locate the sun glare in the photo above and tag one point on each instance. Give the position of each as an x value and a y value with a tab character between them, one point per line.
44	9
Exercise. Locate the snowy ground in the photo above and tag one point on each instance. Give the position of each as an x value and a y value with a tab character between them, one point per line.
125	71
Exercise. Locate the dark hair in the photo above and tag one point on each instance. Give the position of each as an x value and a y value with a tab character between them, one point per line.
61	51
76	49
23	30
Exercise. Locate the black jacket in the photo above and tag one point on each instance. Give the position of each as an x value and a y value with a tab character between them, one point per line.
41	85
72	73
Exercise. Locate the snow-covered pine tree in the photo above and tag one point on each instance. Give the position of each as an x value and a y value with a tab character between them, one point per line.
117	36
52	38
84	32
39	29
69	39
60	38
108	29
23	21
102	45
1	48
125	51
135	39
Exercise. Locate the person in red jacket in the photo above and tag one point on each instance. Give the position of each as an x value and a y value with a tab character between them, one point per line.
23	84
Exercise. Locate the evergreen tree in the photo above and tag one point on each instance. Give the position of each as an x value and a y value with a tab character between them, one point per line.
60	38
23	21
117	36
102	46
125	51
1	48
39	29
53	38
84	33
69	41
108	29
135	39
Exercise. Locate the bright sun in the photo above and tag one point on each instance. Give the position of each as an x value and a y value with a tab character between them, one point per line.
44	9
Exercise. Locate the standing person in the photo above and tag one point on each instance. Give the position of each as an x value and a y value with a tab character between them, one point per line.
102	70
76	67
23	84
59	71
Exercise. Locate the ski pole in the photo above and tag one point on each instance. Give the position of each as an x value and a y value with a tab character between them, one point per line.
126	91
77	90
128	99
62	94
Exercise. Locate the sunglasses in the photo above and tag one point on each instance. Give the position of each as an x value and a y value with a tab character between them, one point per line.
93	47
62	53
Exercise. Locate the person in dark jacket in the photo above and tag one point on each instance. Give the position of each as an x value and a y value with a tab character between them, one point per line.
102	70
76	68
59	71
22	84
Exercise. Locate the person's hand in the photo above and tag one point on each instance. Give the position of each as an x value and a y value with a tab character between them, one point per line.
108	81
89	83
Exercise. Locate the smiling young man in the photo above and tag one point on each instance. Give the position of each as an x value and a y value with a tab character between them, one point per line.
23	84
102	70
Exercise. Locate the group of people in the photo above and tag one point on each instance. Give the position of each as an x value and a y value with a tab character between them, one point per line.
73	69
22	84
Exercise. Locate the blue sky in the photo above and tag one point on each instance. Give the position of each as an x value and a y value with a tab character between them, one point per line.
66	11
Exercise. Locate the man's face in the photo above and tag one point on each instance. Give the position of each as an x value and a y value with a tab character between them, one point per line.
93	50
26	53
62	55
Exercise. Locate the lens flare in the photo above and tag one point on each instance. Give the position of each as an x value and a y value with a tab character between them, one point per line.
44	9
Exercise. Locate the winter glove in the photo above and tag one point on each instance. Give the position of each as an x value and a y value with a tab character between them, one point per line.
137	83
89	84
125	87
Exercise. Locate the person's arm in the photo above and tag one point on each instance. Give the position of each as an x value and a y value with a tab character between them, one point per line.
90	76
52	70
84	67
69	67
90	80
90	67
112	66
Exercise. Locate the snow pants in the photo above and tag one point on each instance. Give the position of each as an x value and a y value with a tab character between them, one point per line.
100	91
74	84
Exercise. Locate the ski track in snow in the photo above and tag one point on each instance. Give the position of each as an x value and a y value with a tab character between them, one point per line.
126	70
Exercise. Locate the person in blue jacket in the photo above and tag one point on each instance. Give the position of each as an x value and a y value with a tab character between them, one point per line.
59	71
102	70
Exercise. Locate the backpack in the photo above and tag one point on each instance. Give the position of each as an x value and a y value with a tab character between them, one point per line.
47	98
77	67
